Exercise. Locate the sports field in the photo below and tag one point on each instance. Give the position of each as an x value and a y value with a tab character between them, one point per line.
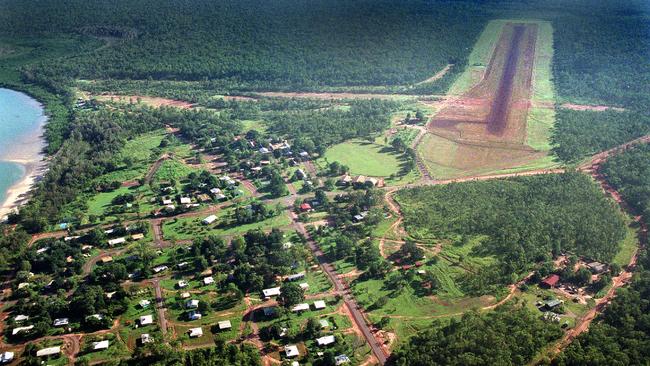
365	158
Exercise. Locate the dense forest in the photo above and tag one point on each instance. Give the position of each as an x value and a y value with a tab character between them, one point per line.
629	173
621	335
511	335
292	43
526	219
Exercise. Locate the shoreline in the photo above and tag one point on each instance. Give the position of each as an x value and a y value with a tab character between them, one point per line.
27	151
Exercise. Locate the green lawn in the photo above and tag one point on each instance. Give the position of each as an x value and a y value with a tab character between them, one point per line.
190	228
172	169
628	245
364	158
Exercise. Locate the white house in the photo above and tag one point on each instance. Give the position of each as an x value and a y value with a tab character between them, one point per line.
291	350
304	286
21	329
296	277
195	332
319	305
224	324
326	340
300	307
270	292
210	219
185	295
48	351
61	322
144	303
117	241
21	318
341	359
6	357
324	323
185	200
194	315
208	281
192	304
146	319
215	191
159	269
182	284
98	346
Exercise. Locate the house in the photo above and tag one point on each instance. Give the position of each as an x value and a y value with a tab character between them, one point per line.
185	295
170	208
182	284
341	359
359	180
208	281
326	340
215	191
324	323
210	219
98	346
48	351
373	181
167	201
144	303
305	207
304	155
146	320
195	332
192	304
22	285
68	238
304	286
291	350
159	269
203	198
194	315
300	307
95	316
137	236
106	259
224	324
345	180
360	217
319	305
550	281
109	295
21	329
146	338
220	197
61	322
6	357
86	248
270	292
264	150
117	241
296	277
552	304
597	267
269	311
185	200
21	318
300	174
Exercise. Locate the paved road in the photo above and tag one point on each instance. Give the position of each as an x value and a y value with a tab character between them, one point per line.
358	318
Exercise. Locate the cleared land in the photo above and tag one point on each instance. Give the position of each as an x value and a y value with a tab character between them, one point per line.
484	129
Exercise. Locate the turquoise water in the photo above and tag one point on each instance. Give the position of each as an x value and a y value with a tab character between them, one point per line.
21	118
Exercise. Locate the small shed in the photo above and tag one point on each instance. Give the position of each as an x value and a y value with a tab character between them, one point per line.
195	332
146	319
224	324
326	340
48	351
319	304
98	346
291	350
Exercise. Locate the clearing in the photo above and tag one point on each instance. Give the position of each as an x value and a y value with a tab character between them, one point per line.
365	158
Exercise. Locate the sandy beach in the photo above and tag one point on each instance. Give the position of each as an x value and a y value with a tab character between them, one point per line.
28	153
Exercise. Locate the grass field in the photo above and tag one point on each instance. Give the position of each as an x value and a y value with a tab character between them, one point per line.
190	228
364	158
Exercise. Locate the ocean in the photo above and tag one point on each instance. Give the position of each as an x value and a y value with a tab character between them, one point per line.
21	121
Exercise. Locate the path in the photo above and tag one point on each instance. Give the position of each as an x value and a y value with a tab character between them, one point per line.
339	286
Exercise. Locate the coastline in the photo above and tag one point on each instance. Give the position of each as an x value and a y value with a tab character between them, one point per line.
28	153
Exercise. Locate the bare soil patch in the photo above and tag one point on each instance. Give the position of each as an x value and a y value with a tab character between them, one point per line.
486	127
150	101
437	75
592	108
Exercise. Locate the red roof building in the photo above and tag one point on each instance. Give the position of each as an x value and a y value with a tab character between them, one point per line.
550	281
305	207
